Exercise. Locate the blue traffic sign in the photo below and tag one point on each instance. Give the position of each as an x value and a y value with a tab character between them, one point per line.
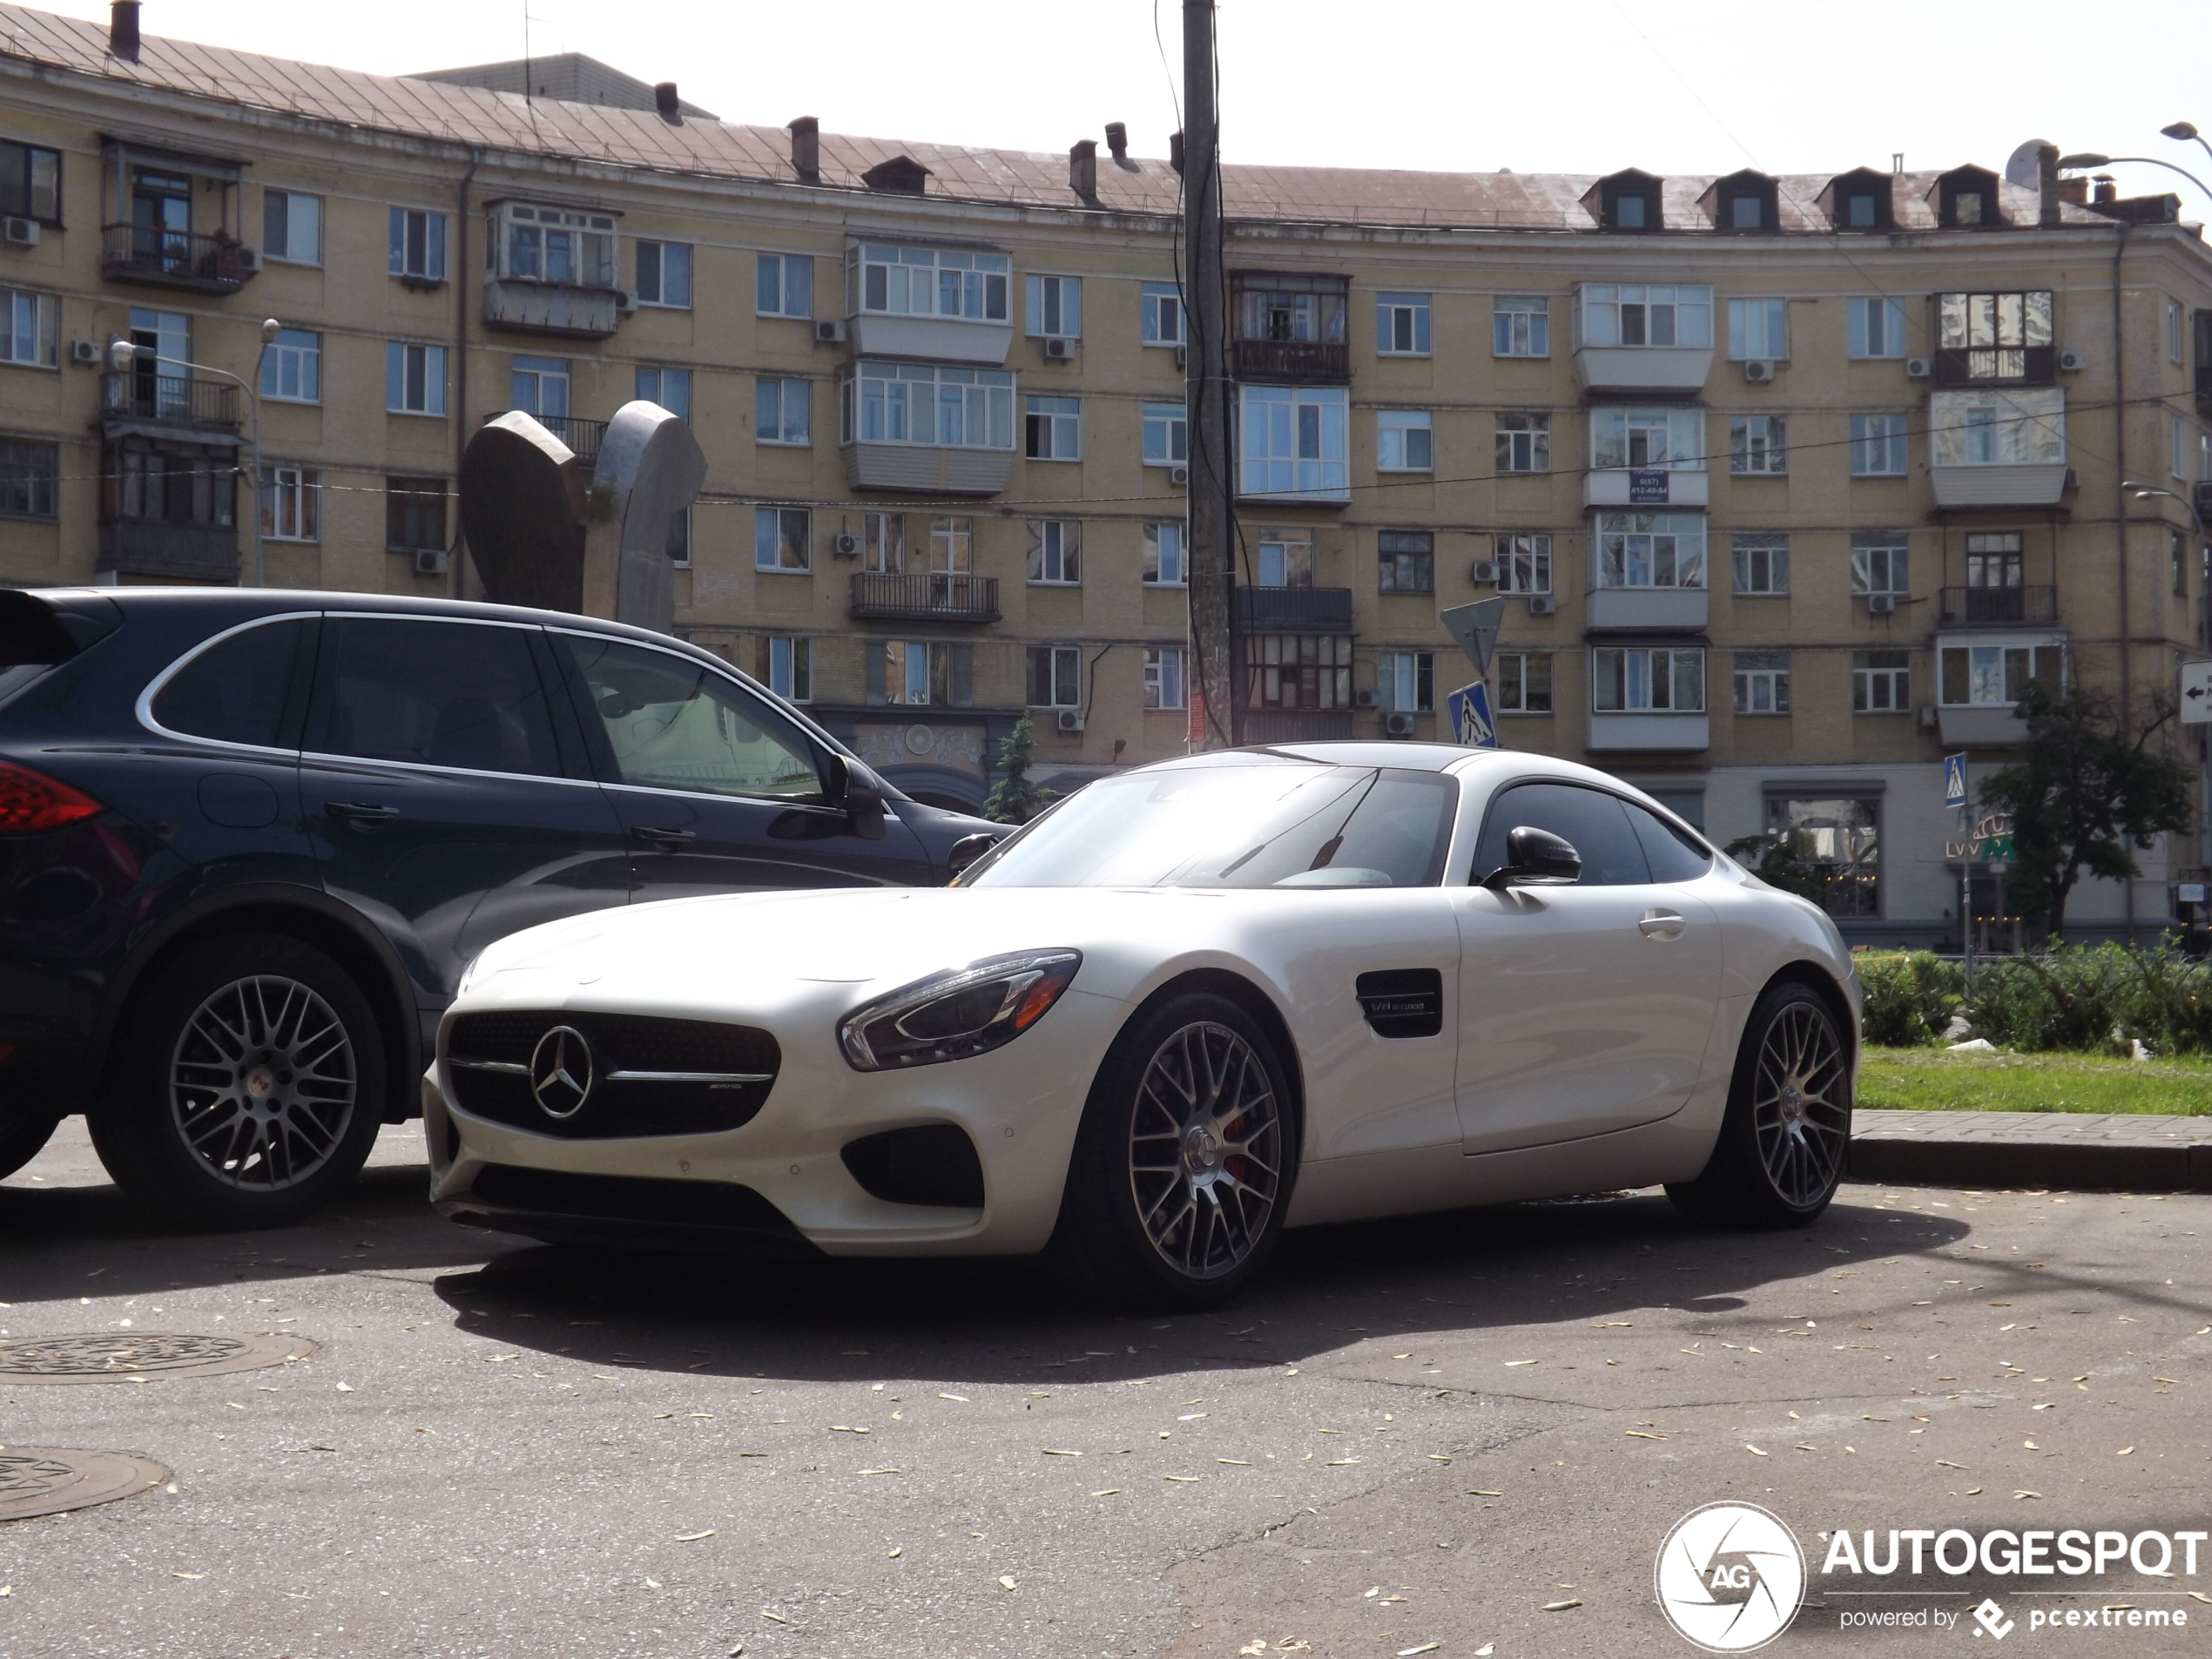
1954	781
1472	724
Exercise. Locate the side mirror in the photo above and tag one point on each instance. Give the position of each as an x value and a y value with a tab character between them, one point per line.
966	851
855	794
1536	858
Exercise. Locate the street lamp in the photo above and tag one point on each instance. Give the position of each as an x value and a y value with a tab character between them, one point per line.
122	353
2091	159
2185	131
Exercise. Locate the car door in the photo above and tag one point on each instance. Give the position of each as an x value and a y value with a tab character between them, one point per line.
717	791
1583	1008
444	800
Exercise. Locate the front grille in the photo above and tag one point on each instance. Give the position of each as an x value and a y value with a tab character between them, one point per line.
488	1056
563	1202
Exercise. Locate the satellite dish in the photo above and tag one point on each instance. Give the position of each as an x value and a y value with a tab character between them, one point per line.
2026	165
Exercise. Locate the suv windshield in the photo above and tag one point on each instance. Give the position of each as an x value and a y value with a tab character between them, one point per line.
1254	825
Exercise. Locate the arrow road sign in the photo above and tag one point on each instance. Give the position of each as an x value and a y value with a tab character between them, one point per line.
1475	627
2196	693
1954	781
1471	722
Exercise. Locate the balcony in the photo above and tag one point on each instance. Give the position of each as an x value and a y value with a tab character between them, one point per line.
152	547
1294	611
163	259
1649	733
582	437
1312	362
1996	366
2018	484
524	307
1296	726
1981	726
924	599
1647	609
1646	487
927	469
1676	371
1291	327
1997	607
940	339
167	405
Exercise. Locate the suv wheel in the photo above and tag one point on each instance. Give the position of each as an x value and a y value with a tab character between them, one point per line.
250	1088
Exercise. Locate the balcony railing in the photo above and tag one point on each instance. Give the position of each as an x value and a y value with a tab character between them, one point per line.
176	259
1972	607
582	437
1997	366
1306	361
154	547
925	599
1294	611
1296	726
170	400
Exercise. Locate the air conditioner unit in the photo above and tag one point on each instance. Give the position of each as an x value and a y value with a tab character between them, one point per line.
1881	604
19	232
1059	351
846	546
1918	369
430	560
2072	478
1182	357
1398	723
1363	700
625	301
1541	605
1179	477
1927	717
1483	571
1757	369
828	331
249	260
84	351
2074	362
1070	719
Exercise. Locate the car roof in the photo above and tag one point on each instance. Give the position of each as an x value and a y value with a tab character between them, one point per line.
253	601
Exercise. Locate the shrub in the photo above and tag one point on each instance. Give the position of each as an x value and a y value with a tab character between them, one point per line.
2092	996
1910	997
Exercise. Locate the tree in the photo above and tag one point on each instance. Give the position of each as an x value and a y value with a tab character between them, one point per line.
2081	796
1015	799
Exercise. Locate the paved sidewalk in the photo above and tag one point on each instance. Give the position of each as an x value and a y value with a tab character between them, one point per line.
2109	1151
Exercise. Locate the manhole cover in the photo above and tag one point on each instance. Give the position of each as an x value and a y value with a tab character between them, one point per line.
119	1358
38	1480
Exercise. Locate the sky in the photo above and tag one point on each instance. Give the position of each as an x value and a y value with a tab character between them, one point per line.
1691	86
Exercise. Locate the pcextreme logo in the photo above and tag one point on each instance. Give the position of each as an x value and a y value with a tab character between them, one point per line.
1730	1577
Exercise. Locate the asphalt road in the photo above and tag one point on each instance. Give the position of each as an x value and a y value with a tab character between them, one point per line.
1417	1432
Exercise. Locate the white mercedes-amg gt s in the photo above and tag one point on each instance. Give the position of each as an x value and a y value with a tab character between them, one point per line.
1188	1006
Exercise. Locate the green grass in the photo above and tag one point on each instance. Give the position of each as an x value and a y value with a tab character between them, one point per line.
1935	1080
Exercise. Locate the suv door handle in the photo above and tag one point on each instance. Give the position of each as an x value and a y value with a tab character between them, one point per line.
1660	924
360	812
661	837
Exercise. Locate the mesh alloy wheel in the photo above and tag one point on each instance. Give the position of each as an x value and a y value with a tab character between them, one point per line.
1800	1104
263	1083
1205	1150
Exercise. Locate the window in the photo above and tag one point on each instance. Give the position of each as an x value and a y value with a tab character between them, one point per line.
1762	563
1520	326
553	245
1285	559
28	474
1879	564
1638	679
1056	306
1292	441
1841	840
790	668
928	282
290	227
1672	439
784	285
1988	336
1162	315
289	495
539	385
1407	561
952	546
1994	560
920	672
1403	440
674	724
177	486
2173	330
2178	447
415	379
1762	682
1052	427
1862	211
1998	428
1757	444
457	695
1878	446
1524	442
664	275
1596	824
1278	306
1877	327
1164	557
783	411
222	693
31	183
1298	670
1996	675
1055	676
782	539
958	408
1525	563
415	514
29	324
1611	313
1747	211
1166	434
1401	325
418	244
1406	681
291	367
883	543
1651	549
2181	557
1758	328
1056	552
1163	677
680	538
1520	682
1881	681
670	387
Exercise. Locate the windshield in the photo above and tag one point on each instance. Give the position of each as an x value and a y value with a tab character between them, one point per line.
1236	825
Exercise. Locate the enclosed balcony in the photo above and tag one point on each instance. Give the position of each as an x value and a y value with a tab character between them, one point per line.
1291	328
1981	679
1646	610
1649	733
553	272
168	552
1293	611
1998	447
930	597
1997	607
926	428
1643	338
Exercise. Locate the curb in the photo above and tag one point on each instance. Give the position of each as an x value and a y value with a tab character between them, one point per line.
2083	1166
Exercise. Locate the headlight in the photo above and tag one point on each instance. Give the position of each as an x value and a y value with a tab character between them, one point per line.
961	1012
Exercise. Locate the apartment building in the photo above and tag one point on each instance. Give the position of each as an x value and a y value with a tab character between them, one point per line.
1792	483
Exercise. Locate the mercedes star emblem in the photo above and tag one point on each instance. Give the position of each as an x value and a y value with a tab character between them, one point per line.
561	1075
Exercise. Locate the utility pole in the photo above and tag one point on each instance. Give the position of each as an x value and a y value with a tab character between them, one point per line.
1206	391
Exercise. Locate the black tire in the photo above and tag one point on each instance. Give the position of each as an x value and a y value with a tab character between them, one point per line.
1787	1130
23	1135
1174	1202
249	1087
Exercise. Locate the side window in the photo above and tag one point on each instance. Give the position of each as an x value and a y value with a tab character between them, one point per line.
1597	823
431	693
1674	855
236	691
670	723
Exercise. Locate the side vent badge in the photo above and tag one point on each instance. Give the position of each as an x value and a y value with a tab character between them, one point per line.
1402	1002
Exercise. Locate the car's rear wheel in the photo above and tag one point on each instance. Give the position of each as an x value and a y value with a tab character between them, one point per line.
1783	1139
1184	1164
250	1086
24	1133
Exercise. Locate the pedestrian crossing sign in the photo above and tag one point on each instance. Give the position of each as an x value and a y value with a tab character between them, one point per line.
1471	724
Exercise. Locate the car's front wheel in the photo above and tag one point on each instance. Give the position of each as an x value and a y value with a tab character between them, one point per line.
1784	1136
1184	1164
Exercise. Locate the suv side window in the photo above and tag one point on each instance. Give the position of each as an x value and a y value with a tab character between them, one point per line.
236	690
1597	823
1672	855
459	695
670	723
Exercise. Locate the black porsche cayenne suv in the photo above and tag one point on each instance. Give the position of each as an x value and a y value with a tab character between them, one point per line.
249	839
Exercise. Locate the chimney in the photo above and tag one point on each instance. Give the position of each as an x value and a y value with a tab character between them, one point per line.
1175	151
2107	190
1082	169
2075	190
123	30
1118	140
2046	179
664	100
807	149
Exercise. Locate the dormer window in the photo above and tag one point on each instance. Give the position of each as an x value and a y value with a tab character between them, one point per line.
1858	200
900	176
1627	201
1744	201
553	245
1967	201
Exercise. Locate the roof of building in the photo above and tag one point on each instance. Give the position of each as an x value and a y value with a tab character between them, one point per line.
434	109
571	76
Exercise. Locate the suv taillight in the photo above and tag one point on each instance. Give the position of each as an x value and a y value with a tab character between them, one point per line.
32	803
